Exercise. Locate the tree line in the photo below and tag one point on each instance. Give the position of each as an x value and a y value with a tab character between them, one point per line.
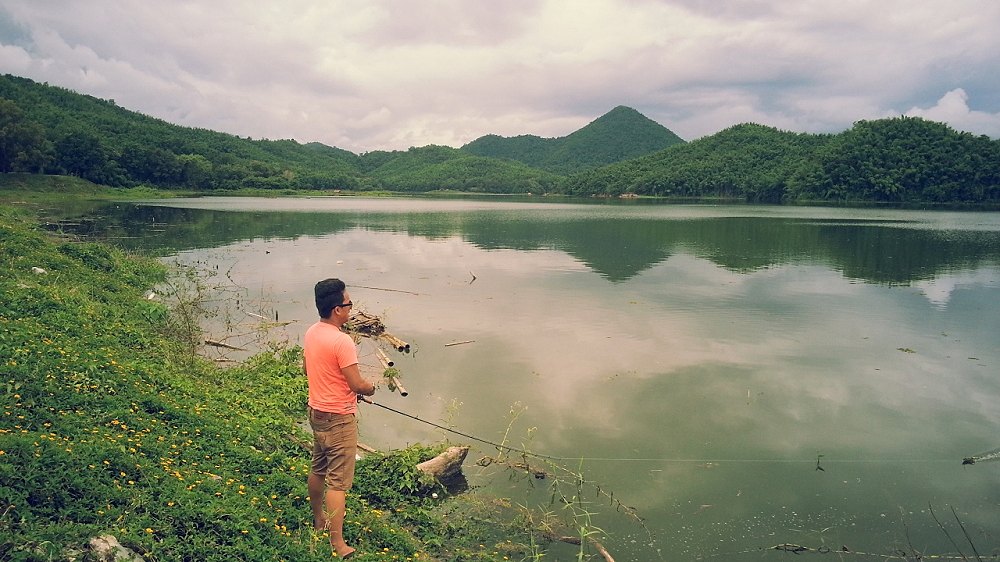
50	130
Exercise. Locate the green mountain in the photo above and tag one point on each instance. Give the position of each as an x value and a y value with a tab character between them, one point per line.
98	140
49	130
899	160
433	167
45	129
620	134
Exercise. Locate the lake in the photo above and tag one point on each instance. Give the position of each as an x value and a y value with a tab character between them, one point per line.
737	377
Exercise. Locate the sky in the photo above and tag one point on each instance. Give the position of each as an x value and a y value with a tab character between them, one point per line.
368	75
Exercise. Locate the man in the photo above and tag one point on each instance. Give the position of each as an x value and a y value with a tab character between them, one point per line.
331	365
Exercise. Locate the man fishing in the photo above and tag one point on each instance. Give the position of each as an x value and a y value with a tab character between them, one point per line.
331	365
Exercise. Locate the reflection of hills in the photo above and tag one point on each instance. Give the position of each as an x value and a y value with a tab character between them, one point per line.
879	253
163	230
614	248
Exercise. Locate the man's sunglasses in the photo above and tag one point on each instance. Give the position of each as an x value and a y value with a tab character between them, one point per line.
347	304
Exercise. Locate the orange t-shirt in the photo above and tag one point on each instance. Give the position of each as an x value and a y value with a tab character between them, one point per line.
327	351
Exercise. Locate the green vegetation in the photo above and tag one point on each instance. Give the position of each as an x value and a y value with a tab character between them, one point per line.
902	160
111	424
48	130
620	134
434	168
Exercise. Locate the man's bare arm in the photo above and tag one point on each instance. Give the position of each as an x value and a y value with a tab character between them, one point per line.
358	383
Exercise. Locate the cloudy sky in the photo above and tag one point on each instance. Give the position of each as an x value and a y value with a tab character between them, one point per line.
390	74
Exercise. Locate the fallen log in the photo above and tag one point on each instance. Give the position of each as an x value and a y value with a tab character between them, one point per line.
445	466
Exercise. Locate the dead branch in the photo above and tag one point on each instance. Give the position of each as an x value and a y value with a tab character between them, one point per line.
522	466
459	343
390	290
365	324
223	345
576	540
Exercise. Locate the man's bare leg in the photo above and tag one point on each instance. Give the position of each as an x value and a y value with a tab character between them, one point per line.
336	506
317	489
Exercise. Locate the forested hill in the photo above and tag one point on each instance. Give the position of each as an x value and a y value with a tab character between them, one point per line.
54	130
69	133
49	130
899	160
620	134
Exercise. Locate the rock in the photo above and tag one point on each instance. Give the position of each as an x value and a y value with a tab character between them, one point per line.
106	548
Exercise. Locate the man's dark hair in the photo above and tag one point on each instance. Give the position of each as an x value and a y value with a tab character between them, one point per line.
329	293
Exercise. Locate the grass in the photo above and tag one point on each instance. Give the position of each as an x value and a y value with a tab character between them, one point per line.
109	424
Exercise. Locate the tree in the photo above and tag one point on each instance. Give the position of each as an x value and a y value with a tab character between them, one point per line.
151	164
23	146
83	154
196	171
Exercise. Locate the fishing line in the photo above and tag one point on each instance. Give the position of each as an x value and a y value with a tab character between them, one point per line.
466	435
645	459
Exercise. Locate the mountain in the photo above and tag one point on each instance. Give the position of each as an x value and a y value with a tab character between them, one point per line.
620	134
431	168
898	160
99	141
50	130
58	131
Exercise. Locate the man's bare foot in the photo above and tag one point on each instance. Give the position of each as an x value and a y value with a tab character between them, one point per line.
319	525
346	552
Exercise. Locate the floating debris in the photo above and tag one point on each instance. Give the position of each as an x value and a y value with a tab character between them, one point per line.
983	457
362	324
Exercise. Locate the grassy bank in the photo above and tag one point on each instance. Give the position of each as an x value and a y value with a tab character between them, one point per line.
112	425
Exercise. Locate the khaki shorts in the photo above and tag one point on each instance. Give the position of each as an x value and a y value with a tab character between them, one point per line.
335	447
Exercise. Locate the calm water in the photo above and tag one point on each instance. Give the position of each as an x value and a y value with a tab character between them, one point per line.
702	361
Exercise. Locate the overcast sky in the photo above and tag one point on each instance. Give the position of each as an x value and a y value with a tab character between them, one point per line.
390	74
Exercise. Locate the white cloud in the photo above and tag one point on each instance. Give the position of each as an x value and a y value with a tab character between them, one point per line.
953	108
389	74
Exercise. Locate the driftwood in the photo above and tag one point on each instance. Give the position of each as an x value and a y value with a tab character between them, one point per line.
384	289
576	540
459	343
223	345
366	324
447	465
371	326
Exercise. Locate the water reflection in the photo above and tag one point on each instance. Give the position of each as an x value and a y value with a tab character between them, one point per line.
699	361
616	242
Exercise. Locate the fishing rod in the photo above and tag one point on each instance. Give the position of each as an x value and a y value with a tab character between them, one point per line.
466	435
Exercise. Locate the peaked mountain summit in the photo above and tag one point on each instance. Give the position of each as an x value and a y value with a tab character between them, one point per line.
620	134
